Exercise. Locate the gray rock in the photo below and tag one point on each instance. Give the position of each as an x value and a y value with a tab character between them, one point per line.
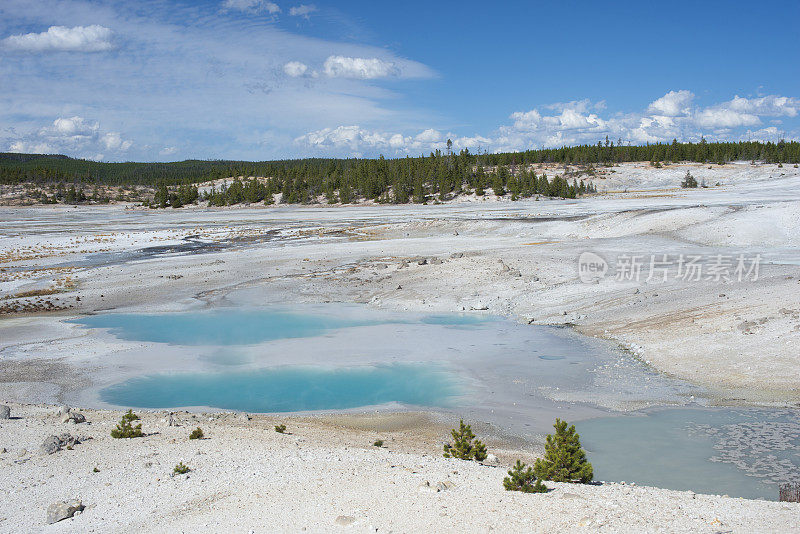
64	410
58	511
345	520
73	417
50	445
456	255
172	420
53	444
5	412
423	261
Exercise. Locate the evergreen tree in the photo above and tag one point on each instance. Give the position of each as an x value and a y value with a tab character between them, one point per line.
521	478
465	446
689	181
125	428
564	459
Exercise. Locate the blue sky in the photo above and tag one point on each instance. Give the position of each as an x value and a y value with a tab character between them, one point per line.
257	79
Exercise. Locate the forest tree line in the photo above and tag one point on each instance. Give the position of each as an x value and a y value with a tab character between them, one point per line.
438	176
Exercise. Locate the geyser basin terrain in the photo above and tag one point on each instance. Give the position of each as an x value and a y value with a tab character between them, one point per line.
517	377
739	452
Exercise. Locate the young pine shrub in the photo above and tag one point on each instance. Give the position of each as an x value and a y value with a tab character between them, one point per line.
181	469
125	428
197	433
465	446
521	478
280	429
564	459
689	181
378	443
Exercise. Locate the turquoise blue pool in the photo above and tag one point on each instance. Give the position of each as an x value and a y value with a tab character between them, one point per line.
517	377
291	389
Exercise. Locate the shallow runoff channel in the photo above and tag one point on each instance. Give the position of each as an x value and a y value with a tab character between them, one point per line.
518	378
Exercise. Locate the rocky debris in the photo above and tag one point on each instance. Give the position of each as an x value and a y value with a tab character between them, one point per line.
423	261
491	459
58	511
436	261
456	255
427	487
53	444
172	420
403	265
5	412
244	416
68	416
514	272
344	520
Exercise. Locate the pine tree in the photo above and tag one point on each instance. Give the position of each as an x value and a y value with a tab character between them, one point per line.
125	428
521	478
564	459
465	446
689	181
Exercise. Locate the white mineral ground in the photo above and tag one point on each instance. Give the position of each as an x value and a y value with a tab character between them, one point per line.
736	339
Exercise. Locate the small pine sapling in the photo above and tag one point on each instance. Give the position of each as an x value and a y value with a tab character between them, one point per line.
126	429
181	468
465	446
521	478
197	433
280	429
378	443
564	459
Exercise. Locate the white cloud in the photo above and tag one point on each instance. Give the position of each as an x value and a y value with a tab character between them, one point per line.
295	69
428	136
672	104
526	120
253	6
571	123
61	38
72	127
114	141
771	105
303	10
73	135
359	67
168	151
724	118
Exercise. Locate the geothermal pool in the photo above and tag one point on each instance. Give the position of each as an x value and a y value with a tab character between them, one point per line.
519	378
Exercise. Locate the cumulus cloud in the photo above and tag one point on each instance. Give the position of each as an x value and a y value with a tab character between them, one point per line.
771	105
92	38
359	68
359	140
724	118
295	69
253	6
672	104
671	116
74	135
303	10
